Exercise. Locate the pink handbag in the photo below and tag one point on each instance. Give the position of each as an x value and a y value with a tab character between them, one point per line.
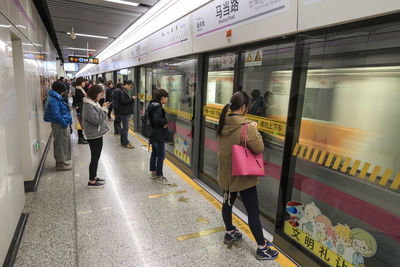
244	162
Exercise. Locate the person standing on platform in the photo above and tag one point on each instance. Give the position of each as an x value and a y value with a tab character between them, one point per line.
228	134
95	127
101	83
159	135
80	94
126	109
109	91
117	119
58	114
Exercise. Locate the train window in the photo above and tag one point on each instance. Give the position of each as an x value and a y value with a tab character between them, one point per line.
347	172
178	77
219	92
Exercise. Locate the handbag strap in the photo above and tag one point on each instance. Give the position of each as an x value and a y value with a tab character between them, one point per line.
244	130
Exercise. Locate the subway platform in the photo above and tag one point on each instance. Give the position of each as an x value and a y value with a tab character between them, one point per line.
132	221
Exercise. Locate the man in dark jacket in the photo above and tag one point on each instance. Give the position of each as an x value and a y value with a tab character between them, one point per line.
79	95
117	119
159	135
126	108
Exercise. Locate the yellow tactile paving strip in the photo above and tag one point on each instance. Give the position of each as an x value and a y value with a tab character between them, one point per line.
356	166
282	259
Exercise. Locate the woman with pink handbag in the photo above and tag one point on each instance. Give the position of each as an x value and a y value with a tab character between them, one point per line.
234	178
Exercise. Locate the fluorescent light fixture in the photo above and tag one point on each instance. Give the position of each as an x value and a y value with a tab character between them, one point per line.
89	35
5	26
123	2
81	49
160	15
21	26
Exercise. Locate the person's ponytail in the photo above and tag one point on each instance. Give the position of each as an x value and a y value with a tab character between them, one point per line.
222	118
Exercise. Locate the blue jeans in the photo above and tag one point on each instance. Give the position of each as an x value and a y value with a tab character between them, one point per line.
124	130
157	158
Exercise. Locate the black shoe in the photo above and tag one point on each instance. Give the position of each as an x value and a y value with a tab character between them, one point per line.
266	253
100	181
82	141
95	185
232	236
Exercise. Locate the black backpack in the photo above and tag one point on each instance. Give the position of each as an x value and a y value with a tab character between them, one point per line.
146	123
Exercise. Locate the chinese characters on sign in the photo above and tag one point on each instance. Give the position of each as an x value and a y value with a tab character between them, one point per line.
220	14
227	8
338	246
266	125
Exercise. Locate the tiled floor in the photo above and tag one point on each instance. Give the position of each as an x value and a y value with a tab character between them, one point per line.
71	225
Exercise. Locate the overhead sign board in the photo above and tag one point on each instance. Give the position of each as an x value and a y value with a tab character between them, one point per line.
83	60
219	15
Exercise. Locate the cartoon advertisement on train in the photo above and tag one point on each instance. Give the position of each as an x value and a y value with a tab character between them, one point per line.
337	245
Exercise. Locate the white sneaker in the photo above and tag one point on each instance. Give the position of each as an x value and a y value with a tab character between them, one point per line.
162	180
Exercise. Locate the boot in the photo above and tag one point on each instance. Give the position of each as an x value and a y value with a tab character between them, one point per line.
82	141
60	166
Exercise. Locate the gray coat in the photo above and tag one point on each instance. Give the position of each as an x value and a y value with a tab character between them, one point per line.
94	119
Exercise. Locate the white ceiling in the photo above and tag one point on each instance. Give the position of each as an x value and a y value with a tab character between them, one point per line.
94	17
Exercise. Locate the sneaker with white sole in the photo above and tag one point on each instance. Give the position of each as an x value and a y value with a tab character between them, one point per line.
232	236
266	253
162	180
153	176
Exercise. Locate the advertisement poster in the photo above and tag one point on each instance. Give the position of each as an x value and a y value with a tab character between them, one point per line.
221	14
182	148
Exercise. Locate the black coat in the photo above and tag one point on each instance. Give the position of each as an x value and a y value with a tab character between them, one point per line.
79	100
125	103
158	120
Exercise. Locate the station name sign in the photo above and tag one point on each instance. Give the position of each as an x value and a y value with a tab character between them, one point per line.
84	60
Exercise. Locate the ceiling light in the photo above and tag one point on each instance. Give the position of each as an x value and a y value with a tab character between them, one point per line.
123	2
81	49
89	35
5	26
21	26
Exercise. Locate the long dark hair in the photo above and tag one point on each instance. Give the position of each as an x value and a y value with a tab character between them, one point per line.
237	101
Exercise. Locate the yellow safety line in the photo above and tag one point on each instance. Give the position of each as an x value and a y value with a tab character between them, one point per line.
364	170
345	165
282	259
322	157
302	151
385	177
396	182
296	148
363	173
374	174
337	162
329	160
309	149
355	167
315	155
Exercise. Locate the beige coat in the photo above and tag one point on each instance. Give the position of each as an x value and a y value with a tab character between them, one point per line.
231	136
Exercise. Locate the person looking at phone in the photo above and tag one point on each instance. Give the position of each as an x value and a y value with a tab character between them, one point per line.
126	109
95	127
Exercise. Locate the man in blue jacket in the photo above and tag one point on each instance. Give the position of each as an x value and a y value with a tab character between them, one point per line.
58	114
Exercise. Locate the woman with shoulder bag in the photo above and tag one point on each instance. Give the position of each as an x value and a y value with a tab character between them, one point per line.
229	134
95	127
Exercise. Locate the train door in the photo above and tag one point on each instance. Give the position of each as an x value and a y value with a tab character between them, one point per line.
141	98
218	91
265	74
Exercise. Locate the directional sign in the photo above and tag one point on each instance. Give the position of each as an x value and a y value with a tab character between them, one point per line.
83	60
